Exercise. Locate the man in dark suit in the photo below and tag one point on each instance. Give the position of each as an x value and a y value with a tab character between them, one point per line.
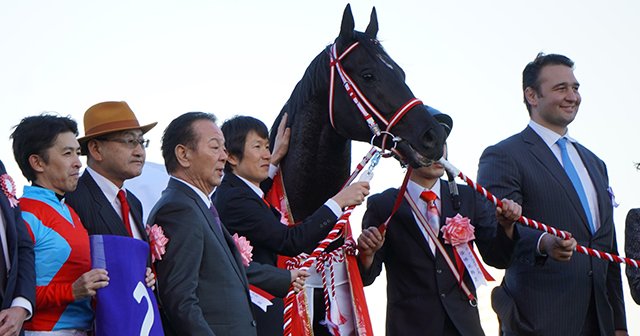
115	149
18	287
202	282
423	295
243	210
560	183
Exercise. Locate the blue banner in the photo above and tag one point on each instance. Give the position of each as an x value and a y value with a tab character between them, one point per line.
126	306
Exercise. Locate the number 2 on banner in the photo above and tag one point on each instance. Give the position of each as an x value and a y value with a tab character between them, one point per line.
139	293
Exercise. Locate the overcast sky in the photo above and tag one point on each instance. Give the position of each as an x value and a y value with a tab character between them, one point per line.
244	57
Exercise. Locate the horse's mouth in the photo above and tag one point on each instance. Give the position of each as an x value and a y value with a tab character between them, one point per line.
407	155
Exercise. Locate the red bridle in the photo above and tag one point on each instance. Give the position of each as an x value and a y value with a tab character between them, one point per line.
361	102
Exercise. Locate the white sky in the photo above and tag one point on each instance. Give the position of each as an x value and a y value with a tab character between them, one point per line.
244	57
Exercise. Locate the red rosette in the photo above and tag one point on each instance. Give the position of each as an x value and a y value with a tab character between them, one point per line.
9	189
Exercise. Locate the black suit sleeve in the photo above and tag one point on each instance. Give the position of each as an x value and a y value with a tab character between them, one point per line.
614	288
274	280
494	245
26	282
632	250
179	269
245	213
373	217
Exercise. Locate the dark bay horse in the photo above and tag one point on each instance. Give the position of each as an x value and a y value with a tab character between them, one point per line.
319	156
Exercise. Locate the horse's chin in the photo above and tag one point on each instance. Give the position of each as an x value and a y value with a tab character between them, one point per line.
407	155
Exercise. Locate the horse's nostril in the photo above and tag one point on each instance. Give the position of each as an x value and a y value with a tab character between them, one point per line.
433	141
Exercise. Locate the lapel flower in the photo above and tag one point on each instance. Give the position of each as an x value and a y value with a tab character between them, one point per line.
157	241
458	230
244	247
9	189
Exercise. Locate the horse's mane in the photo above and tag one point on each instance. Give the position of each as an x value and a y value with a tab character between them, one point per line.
316	77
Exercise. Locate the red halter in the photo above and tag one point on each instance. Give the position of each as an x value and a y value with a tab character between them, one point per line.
358	99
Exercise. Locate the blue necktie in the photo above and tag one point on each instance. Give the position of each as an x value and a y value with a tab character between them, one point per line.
575	180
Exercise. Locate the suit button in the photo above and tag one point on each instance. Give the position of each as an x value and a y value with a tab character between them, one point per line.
439	271
254	323
443	295
590	273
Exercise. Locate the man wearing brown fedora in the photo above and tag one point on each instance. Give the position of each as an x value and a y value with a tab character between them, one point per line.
115	150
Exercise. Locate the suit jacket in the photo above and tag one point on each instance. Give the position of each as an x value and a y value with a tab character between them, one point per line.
242	211
96	212
632	250
202	284
544	296
421	289
21	280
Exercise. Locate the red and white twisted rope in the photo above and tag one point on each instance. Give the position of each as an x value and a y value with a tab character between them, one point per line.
333	235
540	226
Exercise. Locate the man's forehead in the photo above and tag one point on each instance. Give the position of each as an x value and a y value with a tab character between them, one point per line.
66	140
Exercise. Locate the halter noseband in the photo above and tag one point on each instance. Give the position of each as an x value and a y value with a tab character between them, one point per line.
361	102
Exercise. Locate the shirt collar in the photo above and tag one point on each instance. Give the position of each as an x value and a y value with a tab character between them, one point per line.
41	193
206	199
415	189
253	187
548	136
107	187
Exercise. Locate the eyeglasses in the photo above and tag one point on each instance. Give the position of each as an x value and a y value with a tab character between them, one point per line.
130	142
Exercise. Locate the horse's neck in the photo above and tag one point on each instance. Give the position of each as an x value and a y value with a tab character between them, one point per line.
317	163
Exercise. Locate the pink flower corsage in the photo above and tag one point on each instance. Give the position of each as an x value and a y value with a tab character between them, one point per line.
458	230
157	241
244	247
9	189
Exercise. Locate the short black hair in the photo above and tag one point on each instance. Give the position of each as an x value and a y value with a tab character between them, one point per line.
531	73
235	132
36	134
180	132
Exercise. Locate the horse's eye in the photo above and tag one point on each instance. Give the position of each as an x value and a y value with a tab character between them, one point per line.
368	77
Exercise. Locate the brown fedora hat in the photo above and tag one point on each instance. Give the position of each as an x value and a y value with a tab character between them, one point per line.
109	117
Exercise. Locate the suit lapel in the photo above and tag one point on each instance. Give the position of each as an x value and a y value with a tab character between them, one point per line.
543	153
136	213
408	221
227	244
105	209
598	180
235	182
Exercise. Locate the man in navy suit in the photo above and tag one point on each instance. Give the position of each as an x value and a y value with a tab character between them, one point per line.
423	295
560	183
18	287
239	199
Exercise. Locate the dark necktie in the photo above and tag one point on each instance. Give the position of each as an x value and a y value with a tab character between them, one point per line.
570	169
216	218
124	207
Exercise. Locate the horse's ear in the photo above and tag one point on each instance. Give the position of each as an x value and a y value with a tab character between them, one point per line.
348	25
372	28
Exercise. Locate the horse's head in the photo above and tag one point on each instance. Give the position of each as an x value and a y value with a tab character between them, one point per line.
371	101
